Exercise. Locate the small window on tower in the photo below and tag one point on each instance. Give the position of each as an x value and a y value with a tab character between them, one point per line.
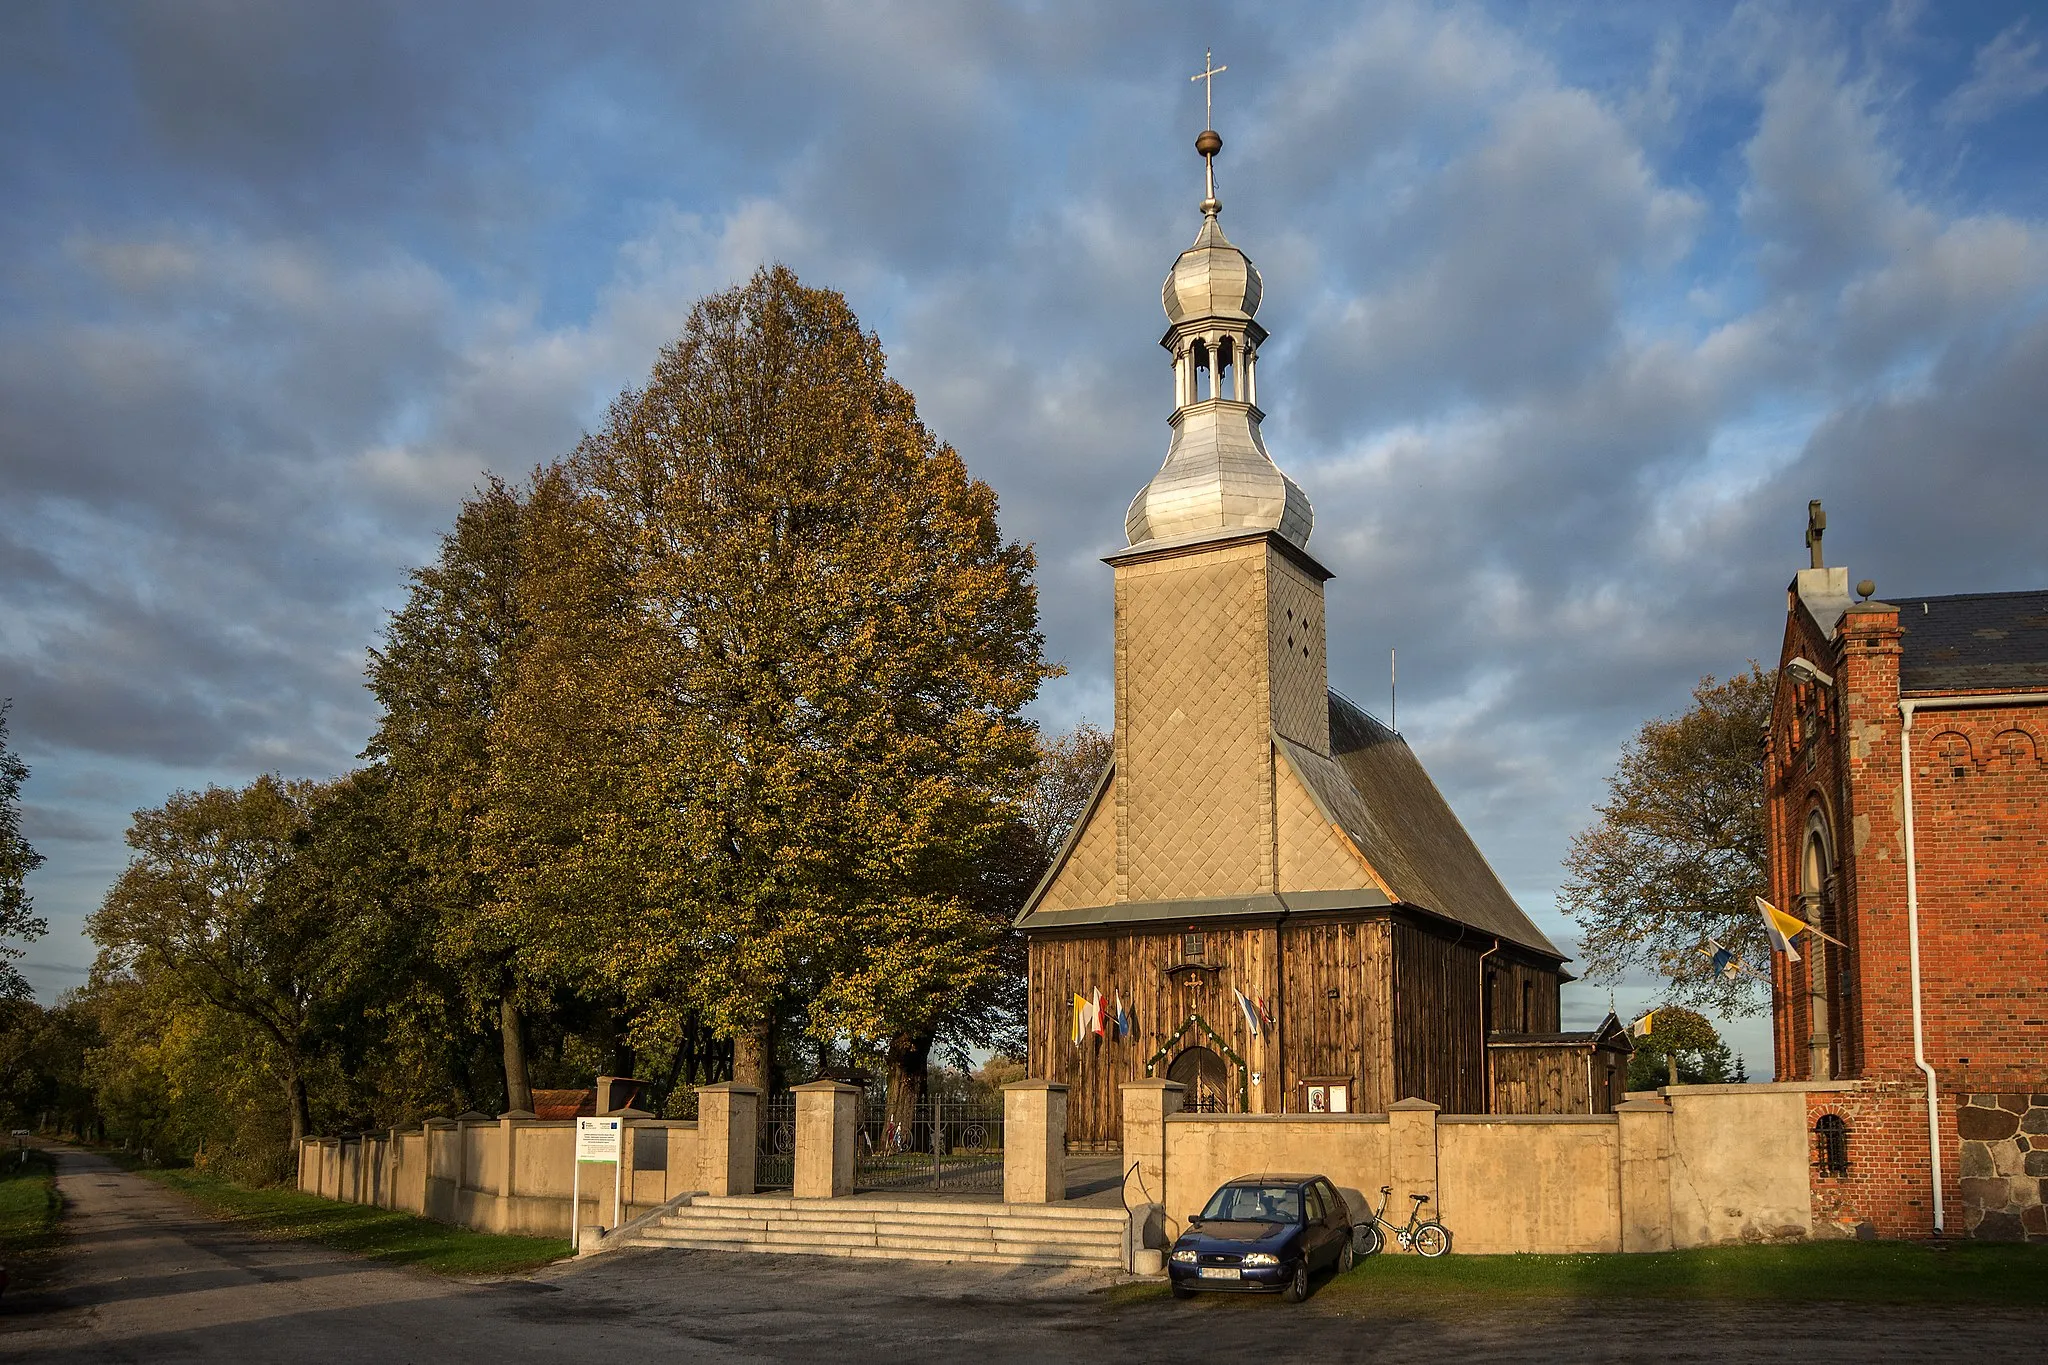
1831	1145
1191	945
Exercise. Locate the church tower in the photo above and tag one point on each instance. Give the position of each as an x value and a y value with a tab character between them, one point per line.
1267	894
1220	643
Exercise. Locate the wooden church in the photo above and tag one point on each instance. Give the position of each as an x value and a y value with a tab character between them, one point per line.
1288	911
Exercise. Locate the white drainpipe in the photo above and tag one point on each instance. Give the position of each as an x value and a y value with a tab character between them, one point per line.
1906	708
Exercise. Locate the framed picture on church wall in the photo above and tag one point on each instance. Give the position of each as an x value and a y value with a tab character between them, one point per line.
1326	1095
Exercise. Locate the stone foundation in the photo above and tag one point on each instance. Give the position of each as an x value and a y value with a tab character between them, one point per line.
2004	1169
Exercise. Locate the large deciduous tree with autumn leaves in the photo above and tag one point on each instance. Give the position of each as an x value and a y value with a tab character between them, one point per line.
762	749
713	728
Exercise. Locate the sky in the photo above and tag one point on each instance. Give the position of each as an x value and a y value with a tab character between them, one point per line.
1573	307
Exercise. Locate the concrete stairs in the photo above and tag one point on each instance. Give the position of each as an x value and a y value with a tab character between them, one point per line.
895	1229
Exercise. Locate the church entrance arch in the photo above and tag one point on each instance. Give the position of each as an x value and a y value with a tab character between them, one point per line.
1206	1078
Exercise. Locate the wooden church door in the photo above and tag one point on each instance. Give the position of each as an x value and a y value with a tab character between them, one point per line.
1207	1080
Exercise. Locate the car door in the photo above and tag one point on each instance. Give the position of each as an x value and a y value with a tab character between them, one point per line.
1339	1218
1315	1233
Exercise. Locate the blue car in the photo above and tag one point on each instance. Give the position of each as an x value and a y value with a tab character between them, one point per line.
1263	1233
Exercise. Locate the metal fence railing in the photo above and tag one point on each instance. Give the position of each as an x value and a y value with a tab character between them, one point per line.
947	1146
775	1149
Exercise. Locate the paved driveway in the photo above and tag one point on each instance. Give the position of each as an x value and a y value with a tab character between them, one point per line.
148	1278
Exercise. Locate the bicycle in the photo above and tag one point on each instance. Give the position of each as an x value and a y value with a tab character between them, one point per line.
1424	1236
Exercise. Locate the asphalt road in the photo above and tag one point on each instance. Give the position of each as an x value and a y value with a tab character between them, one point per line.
146	1277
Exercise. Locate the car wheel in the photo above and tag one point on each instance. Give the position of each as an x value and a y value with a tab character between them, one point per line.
1432	1239
1297	1288
1346	1258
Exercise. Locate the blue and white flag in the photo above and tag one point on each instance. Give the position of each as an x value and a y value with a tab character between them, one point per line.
1251	1018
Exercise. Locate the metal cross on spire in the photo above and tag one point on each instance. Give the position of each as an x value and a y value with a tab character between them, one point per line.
1207	76
1208	144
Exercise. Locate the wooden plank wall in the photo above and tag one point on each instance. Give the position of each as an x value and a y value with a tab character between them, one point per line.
1346	1034
1439	1054
1508	977
1541	1080
1136	964
1404	1021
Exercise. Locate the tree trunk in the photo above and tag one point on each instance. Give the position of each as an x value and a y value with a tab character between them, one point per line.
909	1063
302	1119
1671	1066
753	1054
518	1088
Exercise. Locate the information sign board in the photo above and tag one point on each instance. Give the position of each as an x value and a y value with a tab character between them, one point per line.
598	1139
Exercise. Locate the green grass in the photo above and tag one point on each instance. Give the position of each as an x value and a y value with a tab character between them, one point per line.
1805	1272
28	1205
379	1234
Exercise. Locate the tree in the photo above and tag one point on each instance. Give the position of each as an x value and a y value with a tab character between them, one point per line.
1682	1048
221	908
1679	850
42	1066
17	860
1069	767
441	678
790	615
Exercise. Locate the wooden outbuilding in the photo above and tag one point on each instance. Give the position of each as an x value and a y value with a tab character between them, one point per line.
1559	1073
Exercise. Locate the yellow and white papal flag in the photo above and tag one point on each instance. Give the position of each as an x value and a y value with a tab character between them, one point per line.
1780	927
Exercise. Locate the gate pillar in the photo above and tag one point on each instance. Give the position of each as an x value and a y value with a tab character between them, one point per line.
1147	1106
728	1115
1034	1142
827	1124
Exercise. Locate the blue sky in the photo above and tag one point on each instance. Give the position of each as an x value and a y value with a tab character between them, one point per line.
1573	308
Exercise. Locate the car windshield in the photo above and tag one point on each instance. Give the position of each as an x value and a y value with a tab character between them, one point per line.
1255	1204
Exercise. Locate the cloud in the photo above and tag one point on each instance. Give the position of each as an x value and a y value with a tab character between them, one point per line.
2008	72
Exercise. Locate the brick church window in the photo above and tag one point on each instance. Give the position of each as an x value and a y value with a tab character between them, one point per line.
1831	1144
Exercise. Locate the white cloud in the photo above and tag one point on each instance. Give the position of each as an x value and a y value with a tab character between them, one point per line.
2008	72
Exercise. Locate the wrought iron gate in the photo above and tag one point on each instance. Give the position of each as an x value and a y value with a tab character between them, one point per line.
775	1145
954	1146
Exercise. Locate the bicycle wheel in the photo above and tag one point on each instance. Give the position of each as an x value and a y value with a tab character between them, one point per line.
1368	1240
1432	1239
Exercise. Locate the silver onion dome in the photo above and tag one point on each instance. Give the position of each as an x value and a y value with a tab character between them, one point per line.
1212	279
1218	479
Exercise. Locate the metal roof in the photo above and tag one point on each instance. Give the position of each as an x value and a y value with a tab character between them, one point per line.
1376	789
1984	641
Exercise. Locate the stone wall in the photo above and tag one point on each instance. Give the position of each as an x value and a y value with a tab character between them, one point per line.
2003	1173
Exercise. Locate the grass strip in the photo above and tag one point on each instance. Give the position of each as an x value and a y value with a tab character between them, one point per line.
29	1206
1800	1272
363	1230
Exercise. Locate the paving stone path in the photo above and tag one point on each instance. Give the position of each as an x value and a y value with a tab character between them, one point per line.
146	1277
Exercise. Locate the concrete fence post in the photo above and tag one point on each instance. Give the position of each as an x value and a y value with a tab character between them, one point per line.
728	1119
1645	1161
827	1127
1411	1153
1147	1105
1034	1142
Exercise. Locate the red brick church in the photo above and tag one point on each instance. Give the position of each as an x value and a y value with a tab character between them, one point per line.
1907	793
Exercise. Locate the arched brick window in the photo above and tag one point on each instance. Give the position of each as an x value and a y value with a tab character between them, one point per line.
1831	1145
